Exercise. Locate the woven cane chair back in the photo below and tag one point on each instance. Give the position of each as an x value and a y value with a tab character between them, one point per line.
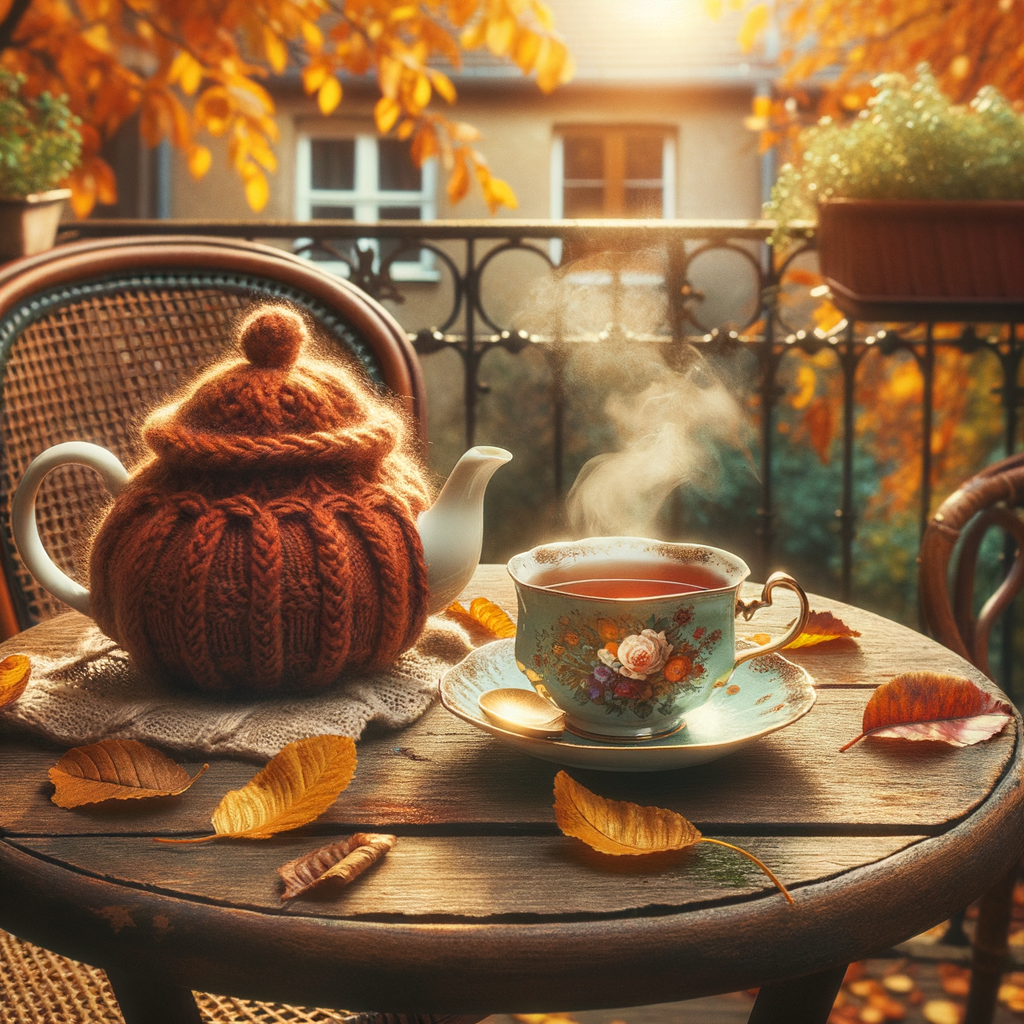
94	334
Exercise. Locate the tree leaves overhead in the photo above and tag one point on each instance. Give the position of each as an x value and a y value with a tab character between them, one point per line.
295	787
343	861
620	828
199	67
483	616
15	671
116	770
930	706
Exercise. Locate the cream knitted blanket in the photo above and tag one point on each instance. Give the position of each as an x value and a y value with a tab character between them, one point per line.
83	688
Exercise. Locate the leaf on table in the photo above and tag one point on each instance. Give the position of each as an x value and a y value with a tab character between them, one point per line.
931	706
116	770
15	670
483	615
620	828
345	861
821	628
295	787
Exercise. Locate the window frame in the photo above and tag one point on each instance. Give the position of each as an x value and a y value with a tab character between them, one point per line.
365	202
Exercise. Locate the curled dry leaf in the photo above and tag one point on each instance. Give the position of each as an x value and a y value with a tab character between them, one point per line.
295	787
15	670
483	615
930	706
821	628
345	861
620	828
116	770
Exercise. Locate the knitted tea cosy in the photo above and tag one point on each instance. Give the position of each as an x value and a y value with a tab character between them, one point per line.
269	540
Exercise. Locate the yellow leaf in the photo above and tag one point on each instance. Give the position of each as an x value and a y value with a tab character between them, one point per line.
98	37
484	614
806	381
199	159
386	113
620	828
312	35
543	14
313	76
753	25
499	34
443	85
960	67
824	628
274	48
15	670
329	95
617	827
420	93
405	129
257	191
498	192
298	785
116	770
713	8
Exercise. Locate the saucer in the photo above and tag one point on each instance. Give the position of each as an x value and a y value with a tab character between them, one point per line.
762	696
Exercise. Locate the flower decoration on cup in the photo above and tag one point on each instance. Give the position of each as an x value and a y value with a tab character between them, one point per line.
624	664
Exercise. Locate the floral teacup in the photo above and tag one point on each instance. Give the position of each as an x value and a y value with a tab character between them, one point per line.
626	635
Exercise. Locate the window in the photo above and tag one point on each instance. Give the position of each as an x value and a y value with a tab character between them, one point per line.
367	179
613	172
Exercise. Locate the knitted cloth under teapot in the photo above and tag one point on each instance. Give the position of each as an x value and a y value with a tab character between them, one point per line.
268	542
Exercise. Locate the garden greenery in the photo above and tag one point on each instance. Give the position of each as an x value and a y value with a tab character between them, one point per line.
39	140
910	142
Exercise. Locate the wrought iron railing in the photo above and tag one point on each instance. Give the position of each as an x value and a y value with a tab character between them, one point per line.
773	297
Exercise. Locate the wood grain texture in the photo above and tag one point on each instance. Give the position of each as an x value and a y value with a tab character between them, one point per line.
441	772
470	877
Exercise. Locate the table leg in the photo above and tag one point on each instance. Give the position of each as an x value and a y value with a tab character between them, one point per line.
144	1001
806	1000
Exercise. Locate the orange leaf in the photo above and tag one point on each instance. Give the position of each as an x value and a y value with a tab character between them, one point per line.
116	770
295	787
930	706
15	670
345	861
329	95
823	628
257	191
820	421
386	114
620	828
483	614
199	159
458	183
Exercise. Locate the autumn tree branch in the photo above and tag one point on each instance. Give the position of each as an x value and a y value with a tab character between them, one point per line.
11	22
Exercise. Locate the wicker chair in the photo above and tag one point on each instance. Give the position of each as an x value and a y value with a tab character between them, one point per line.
95	333
989	499
92	335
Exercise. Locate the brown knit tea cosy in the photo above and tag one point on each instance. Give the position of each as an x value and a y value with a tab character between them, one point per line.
268	542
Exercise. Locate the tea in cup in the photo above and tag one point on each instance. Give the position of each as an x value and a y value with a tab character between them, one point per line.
627	635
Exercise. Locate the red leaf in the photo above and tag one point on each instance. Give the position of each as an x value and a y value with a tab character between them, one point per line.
930	706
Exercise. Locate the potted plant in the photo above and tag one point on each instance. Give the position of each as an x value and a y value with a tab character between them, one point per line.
39	147
919	204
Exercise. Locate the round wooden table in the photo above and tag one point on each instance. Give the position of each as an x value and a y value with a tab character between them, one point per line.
483	906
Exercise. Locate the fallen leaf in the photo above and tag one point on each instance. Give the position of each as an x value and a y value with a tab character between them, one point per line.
485	615
930	706
295	787
942	1011
15	670
823	628
116	770
345	860
899	983
620	828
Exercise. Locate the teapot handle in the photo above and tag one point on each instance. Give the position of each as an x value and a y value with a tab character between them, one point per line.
23	513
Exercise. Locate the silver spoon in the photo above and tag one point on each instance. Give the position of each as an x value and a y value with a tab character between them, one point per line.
522	711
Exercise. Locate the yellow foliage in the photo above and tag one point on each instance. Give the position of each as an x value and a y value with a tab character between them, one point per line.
114	60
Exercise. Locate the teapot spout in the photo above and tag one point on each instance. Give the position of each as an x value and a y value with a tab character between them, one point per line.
452	529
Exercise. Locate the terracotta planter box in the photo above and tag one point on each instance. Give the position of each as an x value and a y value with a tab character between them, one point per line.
924	259
29	225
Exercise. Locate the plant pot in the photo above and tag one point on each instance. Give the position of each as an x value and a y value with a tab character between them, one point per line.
924	259
29	225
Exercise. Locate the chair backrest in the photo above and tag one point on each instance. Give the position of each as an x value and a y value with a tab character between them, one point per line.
988	499
95	333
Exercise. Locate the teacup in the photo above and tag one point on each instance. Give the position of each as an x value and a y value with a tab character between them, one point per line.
627	635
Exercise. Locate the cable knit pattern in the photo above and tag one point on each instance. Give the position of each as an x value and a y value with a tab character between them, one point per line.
268	541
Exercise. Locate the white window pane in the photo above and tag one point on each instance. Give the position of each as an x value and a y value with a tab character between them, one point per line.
333	164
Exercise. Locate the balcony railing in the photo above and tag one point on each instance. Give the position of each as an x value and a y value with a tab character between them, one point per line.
674	288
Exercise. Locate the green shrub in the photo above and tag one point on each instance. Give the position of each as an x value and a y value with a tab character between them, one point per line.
909	143
39	140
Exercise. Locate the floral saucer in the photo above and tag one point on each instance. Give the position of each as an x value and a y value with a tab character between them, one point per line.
762	696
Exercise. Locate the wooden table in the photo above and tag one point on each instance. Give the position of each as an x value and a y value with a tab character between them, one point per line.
484	906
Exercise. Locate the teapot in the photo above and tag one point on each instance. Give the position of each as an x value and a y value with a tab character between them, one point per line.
277	534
